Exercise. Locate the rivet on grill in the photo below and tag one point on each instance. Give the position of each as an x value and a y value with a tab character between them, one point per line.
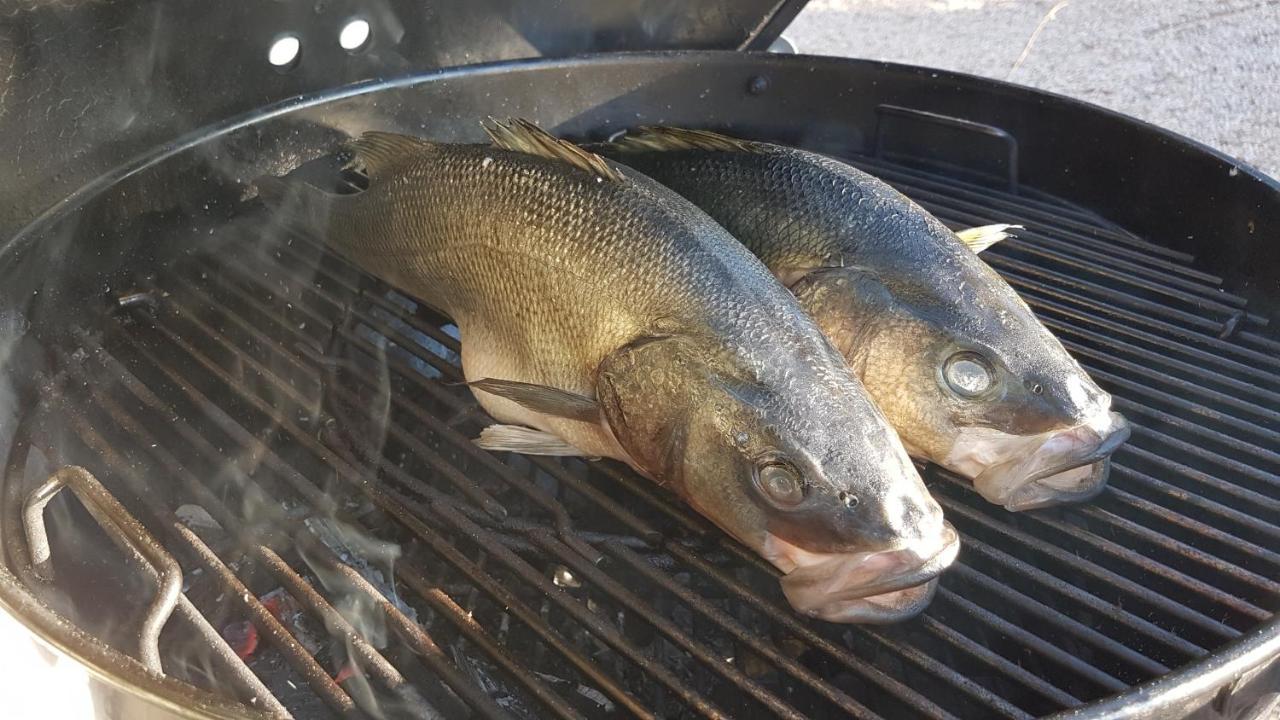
757	85
131	300
564	577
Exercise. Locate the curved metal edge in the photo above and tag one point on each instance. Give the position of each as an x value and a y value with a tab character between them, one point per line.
209	132
1190	687
110	667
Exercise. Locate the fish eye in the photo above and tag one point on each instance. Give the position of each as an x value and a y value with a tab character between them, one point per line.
781	483
968	374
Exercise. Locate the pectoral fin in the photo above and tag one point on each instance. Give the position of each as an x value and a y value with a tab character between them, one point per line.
542	399
518	439
978	239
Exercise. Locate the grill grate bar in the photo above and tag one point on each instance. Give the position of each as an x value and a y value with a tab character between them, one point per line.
699	651
421	642
1264	479
1182	387
1126	478
397	506
1060	217
782	617
1004	264
1145	666
999	664
1248	582
1163	419
1176	649
402	341
436	390
1077	320
738	632
1125	557
425	384
1158	360
1205	480
1035	244
317	679
1138	594
1034	289
1064	660
370	660
1223	541
430	386
1114	557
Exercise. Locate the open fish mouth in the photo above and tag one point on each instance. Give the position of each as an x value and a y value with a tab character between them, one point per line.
863	587
1062	466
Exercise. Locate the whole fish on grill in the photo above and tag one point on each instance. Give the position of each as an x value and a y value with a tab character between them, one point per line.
601	314
964	371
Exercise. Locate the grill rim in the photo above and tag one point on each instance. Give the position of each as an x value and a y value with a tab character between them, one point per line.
1181	690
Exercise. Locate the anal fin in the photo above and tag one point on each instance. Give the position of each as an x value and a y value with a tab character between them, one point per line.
520	439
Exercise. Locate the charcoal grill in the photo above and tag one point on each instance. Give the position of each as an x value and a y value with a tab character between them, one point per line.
206	411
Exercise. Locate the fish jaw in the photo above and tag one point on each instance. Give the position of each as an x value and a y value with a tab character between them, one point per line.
874	587
1025	472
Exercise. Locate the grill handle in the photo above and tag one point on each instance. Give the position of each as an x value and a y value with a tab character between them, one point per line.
1000	136
125	530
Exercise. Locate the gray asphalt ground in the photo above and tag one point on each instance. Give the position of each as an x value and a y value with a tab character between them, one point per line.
1209	69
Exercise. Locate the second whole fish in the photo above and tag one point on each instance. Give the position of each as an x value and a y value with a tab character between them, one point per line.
959	364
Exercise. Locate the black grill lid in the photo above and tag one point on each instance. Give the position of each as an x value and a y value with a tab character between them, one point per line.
89	84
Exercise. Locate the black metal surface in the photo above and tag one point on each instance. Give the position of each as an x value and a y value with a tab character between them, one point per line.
239	369
177	65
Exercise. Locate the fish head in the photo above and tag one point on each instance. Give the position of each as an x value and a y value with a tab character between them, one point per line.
972	381
806	472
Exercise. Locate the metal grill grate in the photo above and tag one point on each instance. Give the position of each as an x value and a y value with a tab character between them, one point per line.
298	401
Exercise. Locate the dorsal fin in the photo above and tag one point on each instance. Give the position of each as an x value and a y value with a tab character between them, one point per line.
649	138
374	152
523	136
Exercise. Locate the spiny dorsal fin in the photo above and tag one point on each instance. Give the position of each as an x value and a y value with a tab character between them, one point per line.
650	138
978	239
374	152
523	136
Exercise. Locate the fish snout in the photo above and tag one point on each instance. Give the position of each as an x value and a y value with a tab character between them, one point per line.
919	520
1068	465
863	587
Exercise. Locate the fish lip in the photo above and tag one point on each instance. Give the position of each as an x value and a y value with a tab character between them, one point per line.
865	611
1031	492
927	570
888	598
1033	497
1109	444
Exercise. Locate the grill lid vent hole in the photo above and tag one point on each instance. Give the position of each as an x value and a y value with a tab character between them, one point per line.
284	52
354	35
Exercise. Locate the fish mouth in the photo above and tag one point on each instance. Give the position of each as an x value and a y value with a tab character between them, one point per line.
873	587
1062	466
